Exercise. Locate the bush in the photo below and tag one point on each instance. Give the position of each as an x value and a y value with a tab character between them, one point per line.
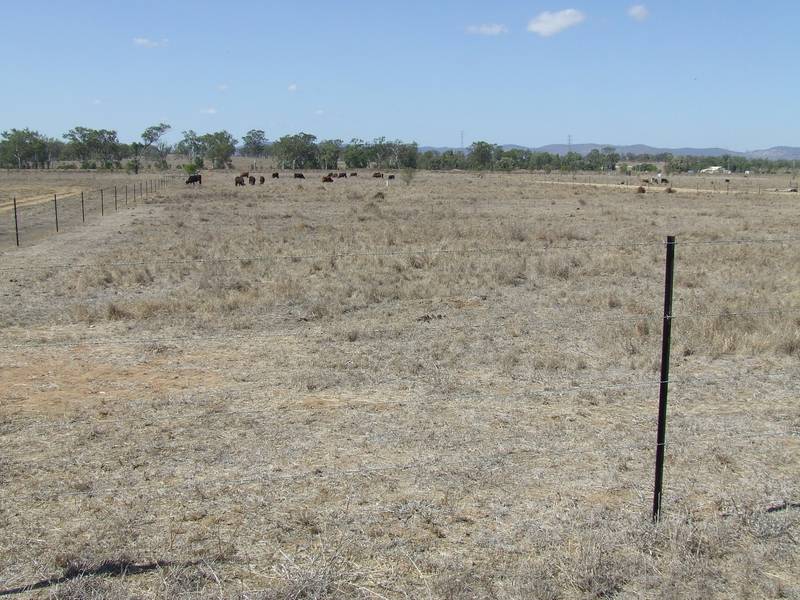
190	169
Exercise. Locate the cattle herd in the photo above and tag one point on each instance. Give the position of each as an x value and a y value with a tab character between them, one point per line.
244	178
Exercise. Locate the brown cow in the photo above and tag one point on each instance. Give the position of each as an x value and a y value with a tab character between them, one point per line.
299	176
377	175
342	175
327	179
252	180
238	181
245	174
353	174
261	180
275	176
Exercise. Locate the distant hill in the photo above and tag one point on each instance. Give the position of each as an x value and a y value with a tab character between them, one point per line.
774	153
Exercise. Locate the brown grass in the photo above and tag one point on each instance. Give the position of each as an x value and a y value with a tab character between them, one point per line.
348	408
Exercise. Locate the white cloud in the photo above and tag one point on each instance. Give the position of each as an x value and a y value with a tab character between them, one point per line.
319	112
145	42
550	23
487	29
292	87
208	111
638	12
223	87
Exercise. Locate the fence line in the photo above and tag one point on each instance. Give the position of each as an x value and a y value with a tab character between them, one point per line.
300	332
681	383
409	253
152	186
542	452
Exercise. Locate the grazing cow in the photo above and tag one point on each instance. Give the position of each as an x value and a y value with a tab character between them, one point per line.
342	175
195	179
275	176
377	175
332	174
239	181
246	174
640	190
354	174
327	179
261	180
252	180
664	180
390	177
299	176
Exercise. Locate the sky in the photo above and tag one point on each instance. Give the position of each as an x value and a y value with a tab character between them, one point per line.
668	73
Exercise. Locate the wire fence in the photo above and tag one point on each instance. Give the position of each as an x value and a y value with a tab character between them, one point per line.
335	254
33	216
467	455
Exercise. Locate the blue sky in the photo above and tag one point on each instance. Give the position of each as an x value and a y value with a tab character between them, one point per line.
667	73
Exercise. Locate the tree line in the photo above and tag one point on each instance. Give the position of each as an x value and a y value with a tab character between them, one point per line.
101	148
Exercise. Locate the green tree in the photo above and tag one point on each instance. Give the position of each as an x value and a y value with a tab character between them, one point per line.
190	146
219	147
407	155
254	143
329	152
356	154
481	155
153	134
299	150
23	148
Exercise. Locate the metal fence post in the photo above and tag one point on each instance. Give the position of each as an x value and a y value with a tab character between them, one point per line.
666	338
83	210
55	208
16	222
115	198
126	194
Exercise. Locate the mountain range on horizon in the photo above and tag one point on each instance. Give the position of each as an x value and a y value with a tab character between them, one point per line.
773	153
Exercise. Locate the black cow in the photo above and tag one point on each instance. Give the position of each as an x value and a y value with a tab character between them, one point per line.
353	174
239	181
377	175
251	180
261	180
343	175
275	175
390	177
299	176
327	179
195	179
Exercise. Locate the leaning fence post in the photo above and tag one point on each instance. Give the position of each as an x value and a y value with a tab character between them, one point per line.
55	208
666	338
83	211
16	222
102	208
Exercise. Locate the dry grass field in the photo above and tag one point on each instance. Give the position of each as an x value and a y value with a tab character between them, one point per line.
446	389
